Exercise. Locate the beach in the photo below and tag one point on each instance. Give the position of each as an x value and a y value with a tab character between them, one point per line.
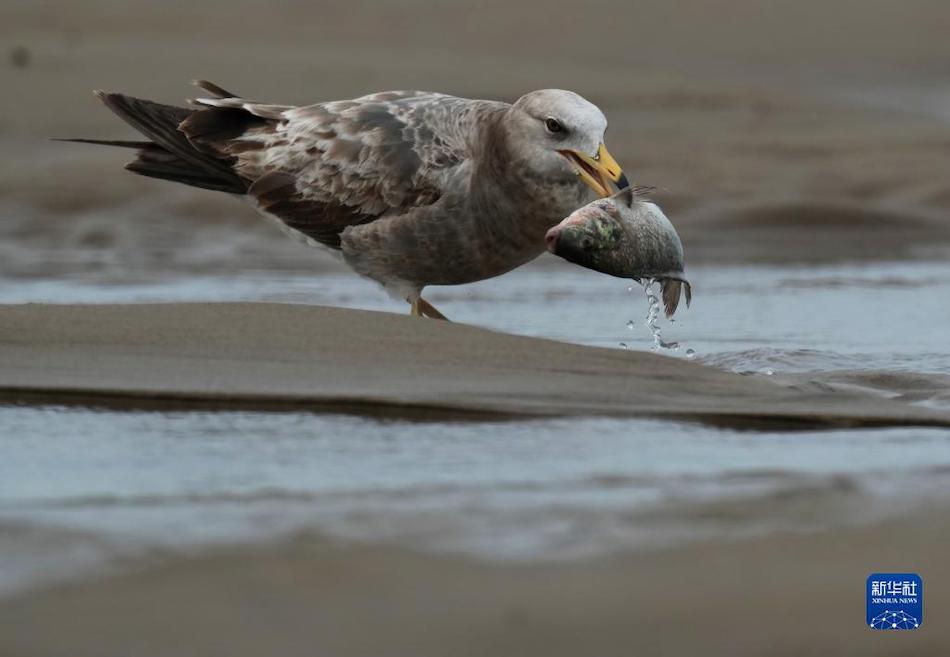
781	595
214	440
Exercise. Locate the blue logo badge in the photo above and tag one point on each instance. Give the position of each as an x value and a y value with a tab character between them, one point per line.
895	601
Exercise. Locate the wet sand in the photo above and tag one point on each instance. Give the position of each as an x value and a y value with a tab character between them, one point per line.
278	355
785	594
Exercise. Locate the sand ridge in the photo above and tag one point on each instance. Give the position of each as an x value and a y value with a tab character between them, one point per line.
281	355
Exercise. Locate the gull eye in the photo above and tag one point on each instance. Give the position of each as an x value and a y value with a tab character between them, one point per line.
553	125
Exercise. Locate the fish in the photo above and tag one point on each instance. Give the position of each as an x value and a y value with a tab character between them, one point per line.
627	236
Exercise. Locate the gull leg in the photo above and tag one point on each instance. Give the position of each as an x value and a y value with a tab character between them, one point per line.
419	307
428	310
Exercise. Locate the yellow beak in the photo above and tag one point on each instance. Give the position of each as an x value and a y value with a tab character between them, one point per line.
599	171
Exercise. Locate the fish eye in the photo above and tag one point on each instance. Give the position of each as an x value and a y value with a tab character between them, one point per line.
587	243
553	125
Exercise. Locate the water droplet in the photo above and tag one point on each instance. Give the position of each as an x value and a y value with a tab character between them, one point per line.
768	371
631	325
690	353
653	315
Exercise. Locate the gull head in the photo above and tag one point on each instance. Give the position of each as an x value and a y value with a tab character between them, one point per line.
558	135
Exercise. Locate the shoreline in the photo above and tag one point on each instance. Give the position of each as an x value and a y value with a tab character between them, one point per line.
292	357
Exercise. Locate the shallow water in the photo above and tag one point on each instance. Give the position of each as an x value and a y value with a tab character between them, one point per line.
86	489
751	318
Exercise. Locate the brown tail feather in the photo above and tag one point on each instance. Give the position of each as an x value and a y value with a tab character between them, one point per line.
213	89
170	155
110	142
155	162
156	121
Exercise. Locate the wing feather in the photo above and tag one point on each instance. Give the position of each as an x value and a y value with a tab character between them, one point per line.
321	168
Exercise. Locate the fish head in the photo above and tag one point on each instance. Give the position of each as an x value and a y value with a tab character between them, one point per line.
591	236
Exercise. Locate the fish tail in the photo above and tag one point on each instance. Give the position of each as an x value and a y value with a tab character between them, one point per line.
672	289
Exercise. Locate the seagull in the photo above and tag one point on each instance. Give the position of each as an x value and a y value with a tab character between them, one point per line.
412	188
